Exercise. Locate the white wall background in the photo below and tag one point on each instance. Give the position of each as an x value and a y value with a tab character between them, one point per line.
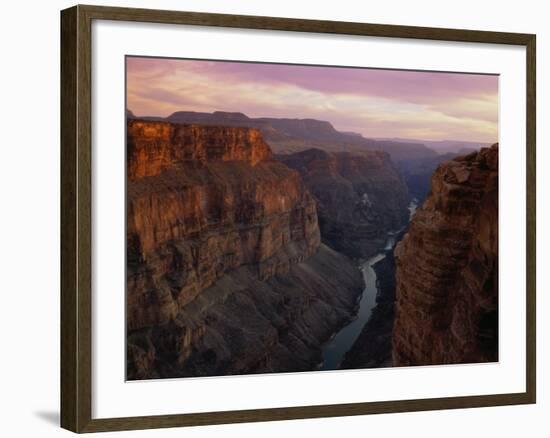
29	219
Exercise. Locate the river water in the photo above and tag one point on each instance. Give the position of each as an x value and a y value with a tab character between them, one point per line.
335	349
341	343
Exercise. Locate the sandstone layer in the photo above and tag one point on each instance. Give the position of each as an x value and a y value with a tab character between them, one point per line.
447	268
226	273
360	197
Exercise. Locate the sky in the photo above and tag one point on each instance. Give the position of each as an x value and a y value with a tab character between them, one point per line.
372	102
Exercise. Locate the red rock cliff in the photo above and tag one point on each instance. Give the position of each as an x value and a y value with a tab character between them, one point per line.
224	256
150	146
207	209
447	268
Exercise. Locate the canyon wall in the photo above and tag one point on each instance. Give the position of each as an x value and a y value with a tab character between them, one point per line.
447	268
151	146
360	197
226	273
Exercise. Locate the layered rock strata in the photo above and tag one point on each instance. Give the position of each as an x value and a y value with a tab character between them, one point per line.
360	197
447	268
225	270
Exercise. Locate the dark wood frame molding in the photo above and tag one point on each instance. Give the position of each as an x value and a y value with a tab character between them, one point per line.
76	321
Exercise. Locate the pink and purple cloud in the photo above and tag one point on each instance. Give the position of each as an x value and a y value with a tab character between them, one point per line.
373	102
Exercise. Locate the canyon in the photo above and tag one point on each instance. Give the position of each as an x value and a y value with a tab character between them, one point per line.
243	255
360	197
226	272
415	159
446	308
437	299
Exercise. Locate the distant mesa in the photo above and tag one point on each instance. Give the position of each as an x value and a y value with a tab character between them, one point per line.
234	116
215	118
272	128
353	134
288	135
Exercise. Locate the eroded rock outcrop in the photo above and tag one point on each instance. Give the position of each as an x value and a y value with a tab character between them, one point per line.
151	146
447	268
360	197
226	273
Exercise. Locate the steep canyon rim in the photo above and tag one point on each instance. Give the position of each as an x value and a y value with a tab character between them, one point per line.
245	236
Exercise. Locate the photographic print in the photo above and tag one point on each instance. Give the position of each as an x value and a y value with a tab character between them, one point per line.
292	218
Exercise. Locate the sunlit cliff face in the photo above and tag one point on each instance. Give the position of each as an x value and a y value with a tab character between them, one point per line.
373	102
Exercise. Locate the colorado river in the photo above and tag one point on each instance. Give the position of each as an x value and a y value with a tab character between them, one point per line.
338	346
335	350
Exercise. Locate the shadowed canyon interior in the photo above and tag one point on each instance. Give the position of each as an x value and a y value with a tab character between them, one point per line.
250	243
226	270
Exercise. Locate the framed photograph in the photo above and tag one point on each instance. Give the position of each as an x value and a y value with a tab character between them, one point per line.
269	218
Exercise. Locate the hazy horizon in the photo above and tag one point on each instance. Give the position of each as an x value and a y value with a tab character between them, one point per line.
376	103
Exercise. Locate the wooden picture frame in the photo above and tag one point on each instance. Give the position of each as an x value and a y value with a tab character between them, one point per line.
76	218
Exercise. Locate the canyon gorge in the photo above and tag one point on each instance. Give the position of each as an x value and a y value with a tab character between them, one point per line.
414	159
226	271
360	197
437	299
252	243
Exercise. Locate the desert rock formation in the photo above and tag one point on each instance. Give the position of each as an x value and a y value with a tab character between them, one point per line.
447	268
226	273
